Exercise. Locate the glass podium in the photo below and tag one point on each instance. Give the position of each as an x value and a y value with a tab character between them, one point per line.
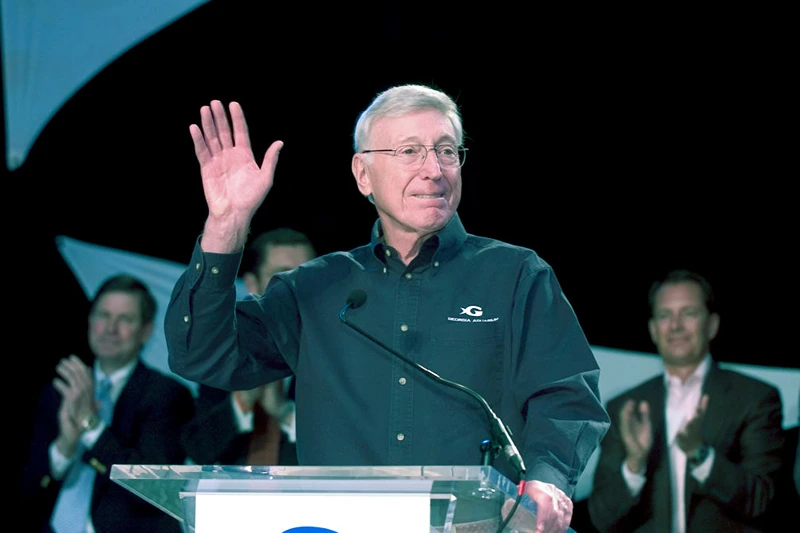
309	499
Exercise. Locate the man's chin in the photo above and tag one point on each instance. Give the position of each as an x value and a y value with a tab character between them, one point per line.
681	358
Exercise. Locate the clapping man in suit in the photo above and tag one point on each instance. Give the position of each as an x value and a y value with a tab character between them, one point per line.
115	410
696	449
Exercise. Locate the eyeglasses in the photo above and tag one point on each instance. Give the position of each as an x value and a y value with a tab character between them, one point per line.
413	155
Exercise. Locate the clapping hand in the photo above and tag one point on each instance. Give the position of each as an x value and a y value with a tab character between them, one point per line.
75	384
636	431
690	437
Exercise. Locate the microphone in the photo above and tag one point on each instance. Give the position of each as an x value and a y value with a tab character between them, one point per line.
501	434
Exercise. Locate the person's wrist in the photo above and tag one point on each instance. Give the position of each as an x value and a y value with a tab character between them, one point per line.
286	411
635	465
224	234
699	456
90	422
245	407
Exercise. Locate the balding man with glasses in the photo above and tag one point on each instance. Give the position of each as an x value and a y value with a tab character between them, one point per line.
363	330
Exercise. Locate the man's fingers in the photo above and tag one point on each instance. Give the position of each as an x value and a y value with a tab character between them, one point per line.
271	158
703	405
626	412
200	147
223	128
209	129
61	387
68	372
241	137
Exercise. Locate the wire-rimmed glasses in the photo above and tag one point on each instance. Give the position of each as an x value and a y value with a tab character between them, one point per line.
414	155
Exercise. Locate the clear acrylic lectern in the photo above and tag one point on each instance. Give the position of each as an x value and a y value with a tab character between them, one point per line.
283	499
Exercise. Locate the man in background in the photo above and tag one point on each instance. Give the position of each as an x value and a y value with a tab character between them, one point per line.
255	426
113	410
696	449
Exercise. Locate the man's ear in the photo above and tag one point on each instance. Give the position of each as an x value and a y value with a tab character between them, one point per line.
361	174
146	333
713	326
651	326
251	282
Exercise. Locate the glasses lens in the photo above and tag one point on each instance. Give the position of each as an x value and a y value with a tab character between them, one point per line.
411	154
415	154
448	155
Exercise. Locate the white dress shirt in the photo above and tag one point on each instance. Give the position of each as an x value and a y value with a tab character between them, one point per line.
682	399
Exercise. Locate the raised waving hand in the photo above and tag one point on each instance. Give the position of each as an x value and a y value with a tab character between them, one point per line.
234	184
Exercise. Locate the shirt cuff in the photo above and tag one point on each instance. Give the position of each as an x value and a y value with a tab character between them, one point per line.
58	463
634	481
288	425
703	470
216	272
244	421
90	436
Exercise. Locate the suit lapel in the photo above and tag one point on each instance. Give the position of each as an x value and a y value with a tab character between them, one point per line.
129	400
717	390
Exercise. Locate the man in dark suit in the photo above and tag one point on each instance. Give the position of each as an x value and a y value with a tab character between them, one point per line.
697	449
114	410
252	427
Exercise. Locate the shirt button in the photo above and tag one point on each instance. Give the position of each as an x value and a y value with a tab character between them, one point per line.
186	319
388	253
436	263
403	328
402	381
408	275
384	270
214	270
197	267
400	436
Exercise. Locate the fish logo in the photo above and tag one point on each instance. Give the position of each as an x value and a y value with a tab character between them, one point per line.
472	310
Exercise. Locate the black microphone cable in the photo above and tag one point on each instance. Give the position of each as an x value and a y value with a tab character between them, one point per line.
500	433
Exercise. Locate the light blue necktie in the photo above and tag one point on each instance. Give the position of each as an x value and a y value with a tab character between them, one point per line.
74	499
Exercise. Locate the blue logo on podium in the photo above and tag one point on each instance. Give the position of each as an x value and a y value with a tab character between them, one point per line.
309	529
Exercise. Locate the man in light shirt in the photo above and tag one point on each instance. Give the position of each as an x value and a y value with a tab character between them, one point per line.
697	448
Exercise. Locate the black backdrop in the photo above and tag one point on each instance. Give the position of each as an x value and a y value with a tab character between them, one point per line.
617	145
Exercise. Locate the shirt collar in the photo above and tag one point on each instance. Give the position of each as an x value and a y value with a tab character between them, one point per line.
699	374
449	239
119	378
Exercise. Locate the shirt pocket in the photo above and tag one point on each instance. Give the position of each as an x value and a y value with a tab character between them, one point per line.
470	354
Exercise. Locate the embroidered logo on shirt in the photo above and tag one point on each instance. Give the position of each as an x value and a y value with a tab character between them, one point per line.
474	311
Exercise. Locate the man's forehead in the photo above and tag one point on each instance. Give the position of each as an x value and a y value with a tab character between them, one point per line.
417	126
118	301
677	293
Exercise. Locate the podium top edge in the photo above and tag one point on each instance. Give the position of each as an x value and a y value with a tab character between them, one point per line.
197	472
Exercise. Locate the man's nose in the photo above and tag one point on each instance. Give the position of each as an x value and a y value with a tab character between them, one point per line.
431	168
112	325
676	322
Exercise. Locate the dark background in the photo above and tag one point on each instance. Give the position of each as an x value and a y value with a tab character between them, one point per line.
617	144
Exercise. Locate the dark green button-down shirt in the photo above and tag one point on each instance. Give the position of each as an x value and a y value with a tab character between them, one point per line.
479	312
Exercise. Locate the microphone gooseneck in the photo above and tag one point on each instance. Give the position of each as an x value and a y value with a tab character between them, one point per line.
501	435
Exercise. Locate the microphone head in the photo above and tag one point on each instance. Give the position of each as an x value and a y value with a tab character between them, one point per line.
356	298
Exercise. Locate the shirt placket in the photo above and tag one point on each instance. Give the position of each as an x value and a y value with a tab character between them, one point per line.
403	376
